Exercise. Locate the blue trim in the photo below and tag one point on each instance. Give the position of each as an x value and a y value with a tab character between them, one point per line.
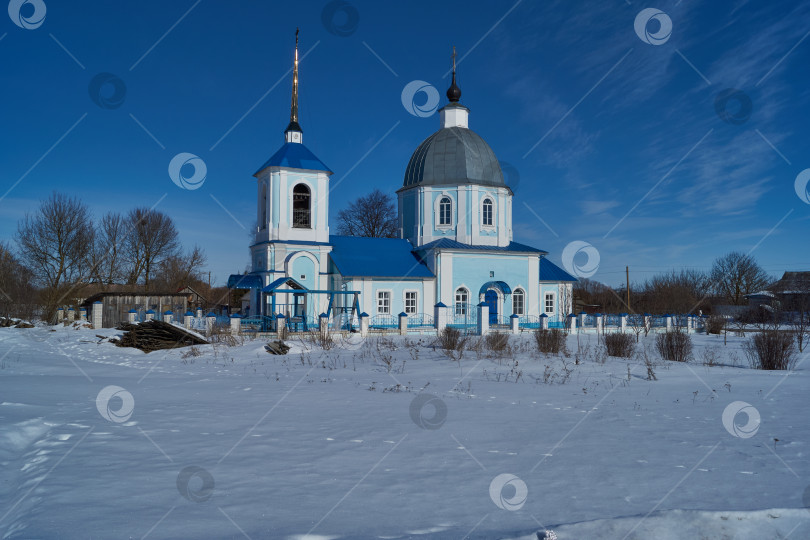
295	156
294	285
364	314
236	316
544	315
403	314
502	286
440	304
513	247
150	311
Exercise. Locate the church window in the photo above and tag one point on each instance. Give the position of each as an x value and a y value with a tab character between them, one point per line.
301	207
410	302
486	214
384	302
263	223
445	211
518	302
549	302
462	297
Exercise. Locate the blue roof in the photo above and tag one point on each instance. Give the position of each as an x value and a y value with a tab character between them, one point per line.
357	256
244	281
295	156
288	281
446	243
551	272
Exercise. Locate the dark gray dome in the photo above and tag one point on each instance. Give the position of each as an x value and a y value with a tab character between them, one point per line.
453	155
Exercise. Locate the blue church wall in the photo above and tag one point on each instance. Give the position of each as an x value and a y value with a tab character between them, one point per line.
473	271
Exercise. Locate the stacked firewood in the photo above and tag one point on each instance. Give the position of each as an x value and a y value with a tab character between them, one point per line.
277	347
156	335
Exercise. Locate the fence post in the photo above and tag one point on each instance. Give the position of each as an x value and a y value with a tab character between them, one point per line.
647	326
440	317
199	313
514	321
131	316
364	324
236	324
483	319
599	323
544	321
168	316
150	314
71	315
581	321
403	324
323	324
60	315
187	320
668	321
210	319
281	322
573	325
82	314
622	322
98	319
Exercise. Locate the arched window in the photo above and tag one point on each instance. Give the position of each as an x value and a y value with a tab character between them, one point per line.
301	207
518	302
462	298
263	223
445	211
486	212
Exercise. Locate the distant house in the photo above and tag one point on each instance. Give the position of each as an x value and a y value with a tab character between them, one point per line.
790	293
194	298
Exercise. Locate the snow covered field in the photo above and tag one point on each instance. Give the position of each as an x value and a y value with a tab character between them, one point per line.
392	439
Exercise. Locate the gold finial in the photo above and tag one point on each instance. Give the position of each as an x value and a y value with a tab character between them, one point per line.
294	105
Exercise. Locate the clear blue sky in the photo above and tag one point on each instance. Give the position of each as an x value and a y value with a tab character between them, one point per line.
625	127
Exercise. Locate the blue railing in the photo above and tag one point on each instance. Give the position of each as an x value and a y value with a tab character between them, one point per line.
384	321
420	320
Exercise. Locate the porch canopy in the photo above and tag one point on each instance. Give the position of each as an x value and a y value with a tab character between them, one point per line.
291	286
500	285
244	281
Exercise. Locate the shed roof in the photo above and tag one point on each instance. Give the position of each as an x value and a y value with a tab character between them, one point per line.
357	256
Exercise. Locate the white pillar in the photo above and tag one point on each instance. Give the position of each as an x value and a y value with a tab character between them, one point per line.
403	324
440	314
483	319
210	319
581	321
573	324
60	315
544	321
514	322
131	316
623	322
150	314
187	320
71	315
647	322
668	321
364	324
98	319
599	323
82	314
199	313
168	316
236	324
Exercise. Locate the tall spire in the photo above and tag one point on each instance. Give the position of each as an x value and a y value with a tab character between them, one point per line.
293	133
454	92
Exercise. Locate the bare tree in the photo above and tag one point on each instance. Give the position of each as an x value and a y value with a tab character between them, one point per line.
180	270
736	274
374	215
110	237
152	238
17	293
54	243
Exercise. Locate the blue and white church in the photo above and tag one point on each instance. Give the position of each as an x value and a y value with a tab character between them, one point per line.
456	242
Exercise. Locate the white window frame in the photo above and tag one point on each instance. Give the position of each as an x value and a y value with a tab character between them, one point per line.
405	294
388	294
491	224
519	292
456	302
546	297
437	211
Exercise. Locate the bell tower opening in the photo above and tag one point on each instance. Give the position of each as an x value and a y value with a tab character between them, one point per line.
302	214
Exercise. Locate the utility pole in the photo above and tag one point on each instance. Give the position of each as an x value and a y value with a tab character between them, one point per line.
627	272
